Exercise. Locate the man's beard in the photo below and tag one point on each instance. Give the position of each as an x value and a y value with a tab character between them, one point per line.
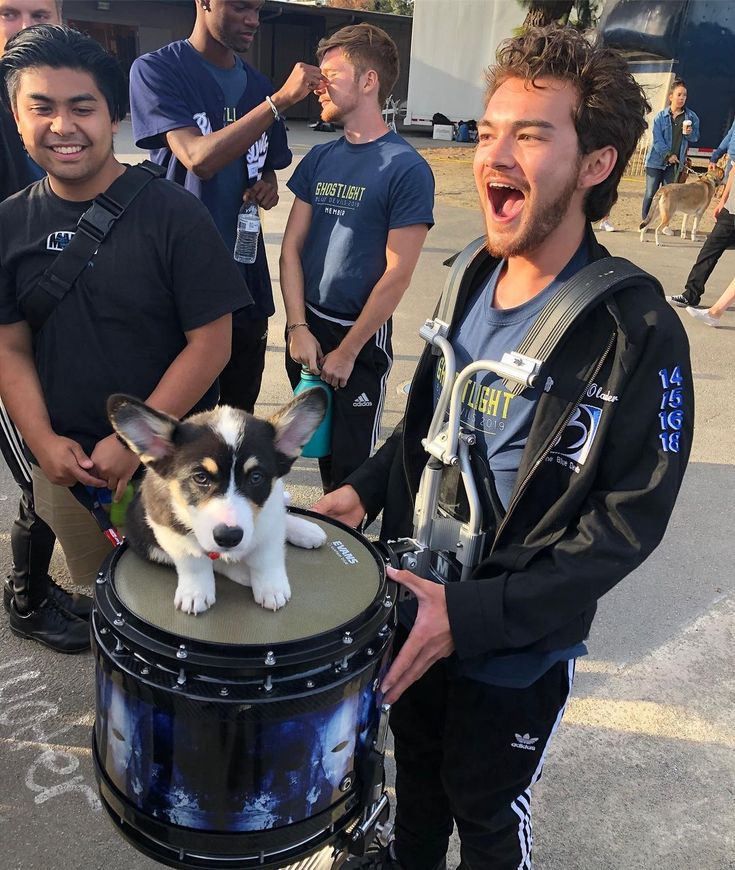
540	222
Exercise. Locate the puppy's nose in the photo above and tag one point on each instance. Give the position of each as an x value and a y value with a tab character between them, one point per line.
227	536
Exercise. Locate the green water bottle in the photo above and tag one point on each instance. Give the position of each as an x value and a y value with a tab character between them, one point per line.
320	443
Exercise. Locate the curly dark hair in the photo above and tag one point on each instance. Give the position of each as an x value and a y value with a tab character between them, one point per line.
612	106
63	48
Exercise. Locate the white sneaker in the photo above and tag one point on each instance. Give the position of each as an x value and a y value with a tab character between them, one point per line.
667	231
607	226
703	315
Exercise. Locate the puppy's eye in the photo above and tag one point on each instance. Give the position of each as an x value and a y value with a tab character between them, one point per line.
201	478
255	476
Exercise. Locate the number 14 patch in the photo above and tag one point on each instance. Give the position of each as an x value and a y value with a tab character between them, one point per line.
671	412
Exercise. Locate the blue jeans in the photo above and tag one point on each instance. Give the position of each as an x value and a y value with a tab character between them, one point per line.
654	179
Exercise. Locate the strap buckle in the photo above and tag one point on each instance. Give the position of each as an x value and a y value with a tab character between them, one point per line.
98	219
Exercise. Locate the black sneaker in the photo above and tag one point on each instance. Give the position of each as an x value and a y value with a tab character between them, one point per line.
77	605
380	857
679	300
52	626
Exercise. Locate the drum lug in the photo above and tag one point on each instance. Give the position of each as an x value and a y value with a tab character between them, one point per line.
181	652
382	733
347	638
270	658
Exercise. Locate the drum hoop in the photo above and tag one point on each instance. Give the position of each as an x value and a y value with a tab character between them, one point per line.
233	660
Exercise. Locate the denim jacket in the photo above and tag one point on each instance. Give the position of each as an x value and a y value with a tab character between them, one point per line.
663	136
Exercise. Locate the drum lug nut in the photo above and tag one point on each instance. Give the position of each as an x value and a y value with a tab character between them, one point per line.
104	630
270	658
118	620
119	648
387	603
384	631
369	651
101	578
224	691
181	653
310	684
347	637
145	671
268	685
346	783
181	679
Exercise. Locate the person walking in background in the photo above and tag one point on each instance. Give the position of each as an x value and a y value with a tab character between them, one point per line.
673	129
215	123
727	146
363	206
712	315
717	242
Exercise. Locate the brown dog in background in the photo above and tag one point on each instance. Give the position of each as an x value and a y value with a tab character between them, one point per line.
689	199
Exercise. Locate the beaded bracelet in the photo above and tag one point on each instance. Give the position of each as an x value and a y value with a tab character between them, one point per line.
290	329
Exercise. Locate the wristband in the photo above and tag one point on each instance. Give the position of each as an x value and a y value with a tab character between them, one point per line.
273	107
290	329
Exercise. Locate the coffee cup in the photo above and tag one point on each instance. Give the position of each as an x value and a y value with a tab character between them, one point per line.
686	127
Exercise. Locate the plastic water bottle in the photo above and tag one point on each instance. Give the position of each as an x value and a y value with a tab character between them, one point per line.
248	230
320	443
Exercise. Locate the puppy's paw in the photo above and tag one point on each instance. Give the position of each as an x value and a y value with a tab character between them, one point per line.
302	533
271	594
192	599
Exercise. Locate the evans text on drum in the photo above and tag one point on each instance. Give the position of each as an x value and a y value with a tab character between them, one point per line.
242	737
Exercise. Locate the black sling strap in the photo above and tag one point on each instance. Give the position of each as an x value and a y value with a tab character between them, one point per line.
92	229
575	298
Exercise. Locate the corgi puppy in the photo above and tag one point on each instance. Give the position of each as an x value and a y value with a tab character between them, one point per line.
212	495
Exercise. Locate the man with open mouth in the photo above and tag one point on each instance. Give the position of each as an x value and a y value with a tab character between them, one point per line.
577	475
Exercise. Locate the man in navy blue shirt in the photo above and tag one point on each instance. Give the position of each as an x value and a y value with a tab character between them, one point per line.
362	210
214	122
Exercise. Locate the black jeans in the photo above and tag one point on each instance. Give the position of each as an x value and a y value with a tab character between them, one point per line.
721	237
469	752
239	383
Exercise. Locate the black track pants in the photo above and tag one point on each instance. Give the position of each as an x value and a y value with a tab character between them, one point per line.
468	752
31	540
357	407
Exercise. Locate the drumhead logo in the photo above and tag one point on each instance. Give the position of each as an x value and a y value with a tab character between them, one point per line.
343	552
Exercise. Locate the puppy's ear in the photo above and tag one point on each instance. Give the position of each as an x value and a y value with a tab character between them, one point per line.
295	423
147	432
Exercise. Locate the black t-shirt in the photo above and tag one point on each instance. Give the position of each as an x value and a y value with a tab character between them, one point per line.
677	122
163	270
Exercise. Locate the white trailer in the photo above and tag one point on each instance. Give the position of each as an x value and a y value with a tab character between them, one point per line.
452	44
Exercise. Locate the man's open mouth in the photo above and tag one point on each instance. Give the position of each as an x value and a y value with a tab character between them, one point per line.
506	201
67	149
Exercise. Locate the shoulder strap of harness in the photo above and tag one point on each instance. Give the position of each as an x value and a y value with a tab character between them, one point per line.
92	229
572	300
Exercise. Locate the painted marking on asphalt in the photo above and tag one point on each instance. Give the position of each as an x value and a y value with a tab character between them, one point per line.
56	747
649	718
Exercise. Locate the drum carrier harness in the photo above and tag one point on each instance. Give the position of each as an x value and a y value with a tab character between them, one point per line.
436	534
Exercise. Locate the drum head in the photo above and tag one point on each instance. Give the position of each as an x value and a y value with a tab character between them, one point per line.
330	586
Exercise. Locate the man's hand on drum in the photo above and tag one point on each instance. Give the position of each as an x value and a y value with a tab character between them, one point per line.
342	504
430	638
304	349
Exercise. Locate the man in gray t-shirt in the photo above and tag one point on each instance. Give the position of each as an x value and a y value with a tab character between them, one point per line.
718	241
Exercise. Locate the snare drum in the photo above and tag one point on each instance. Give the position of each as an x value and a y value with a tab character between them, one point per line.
242	737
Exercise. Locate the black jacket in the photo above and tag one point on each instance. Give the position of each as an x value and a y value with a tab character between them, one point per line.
572	530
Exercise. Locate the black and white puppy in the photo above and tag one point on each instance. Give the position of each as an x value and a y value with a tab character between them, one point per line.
212	495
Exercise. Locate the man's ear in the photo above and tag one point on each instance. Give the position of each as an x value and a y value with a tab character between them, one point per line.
147	432
295	423
370	82
596	166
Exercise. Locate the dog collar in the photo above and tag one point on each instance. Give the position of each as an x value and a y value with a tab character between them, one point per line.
213	556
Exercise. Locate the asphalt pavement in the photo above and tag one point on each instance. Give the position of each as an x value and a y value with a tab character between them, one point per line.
642	772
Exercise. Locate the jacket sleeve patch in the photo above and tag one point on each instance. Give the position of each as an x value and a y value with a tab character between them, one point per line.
671	413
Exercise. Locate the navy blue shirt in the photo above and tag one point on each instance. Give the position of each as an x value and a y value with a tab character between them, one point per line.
173	88
501	423
357	194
